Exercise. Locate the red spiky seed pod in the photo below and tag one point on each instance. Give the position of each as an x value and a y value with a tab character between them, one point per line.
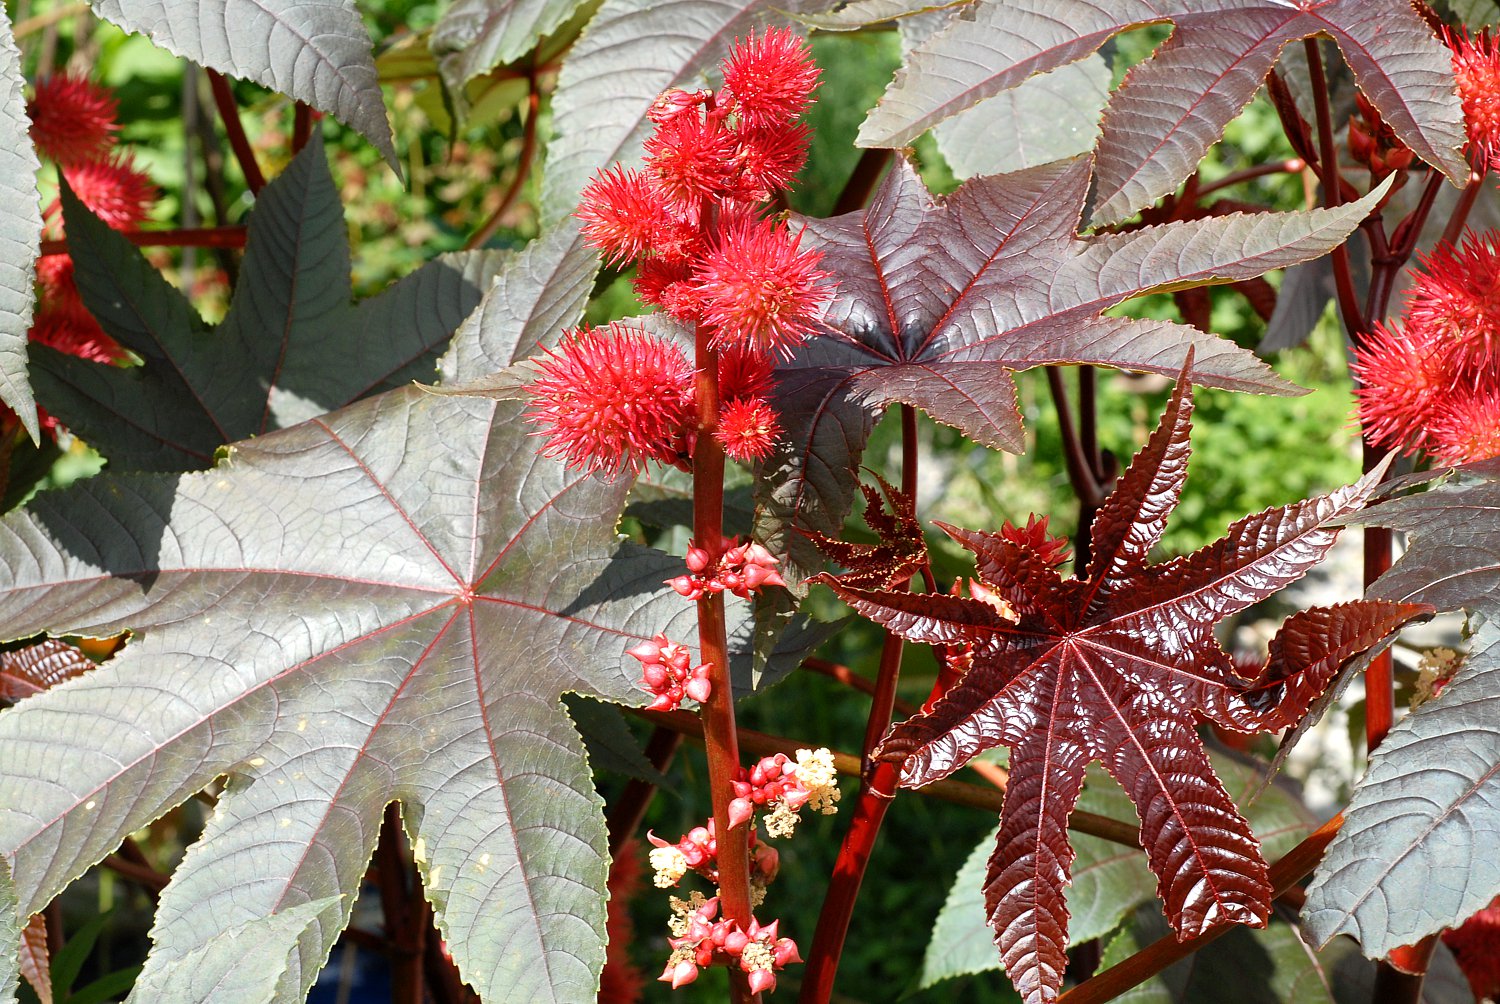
1476	64
610	399
772	77
72	119
748	429
117	193
759	289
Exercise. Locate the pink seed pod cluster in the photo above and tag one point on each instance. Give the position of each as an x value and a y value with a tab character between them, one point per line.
668	673
741	569
698	851
759	952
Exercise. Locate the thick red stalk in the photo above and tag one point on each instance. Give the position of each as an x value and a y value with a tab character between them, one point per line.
229	112
302	123
523	171
719	734
193	237
1333	181
404	908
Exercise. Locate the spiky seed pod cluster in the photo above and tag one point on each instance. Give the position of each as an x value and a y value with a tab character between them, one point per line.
74	124
692	221
1431	382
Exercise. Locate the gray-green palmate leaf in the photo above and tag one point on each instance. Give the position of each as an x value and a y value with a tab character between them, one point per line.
937	300
1417	851
20	232
316	51
293	344
1174	106
10	937
380	605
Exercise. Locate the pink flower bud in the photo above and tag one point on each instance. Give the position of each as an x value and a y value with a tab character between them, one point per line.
648	651
656	676
698	689
785	952
680	975
685	586
663	703
735	942
762	981
740	811
698	559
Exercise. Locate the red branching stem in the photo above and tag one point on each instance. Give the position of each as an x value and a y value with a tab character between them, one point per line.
229	112
875	797
1290	869
143	875
867	173
720	737
523	171
1404	238
1294	165
1080	462
302	123
1333	181
849	678
625	816
1460	215
192	237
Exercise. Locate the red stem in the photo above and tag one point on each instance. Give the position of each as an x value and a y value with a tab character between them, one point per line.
1293	166
302	123
867	172
720	737
1333	182
523	171
192	237
1460	215
229	112
849	678
402	911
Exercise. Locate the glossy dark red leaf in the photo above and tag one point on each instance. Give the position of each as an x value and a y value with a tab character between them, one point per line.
1120	665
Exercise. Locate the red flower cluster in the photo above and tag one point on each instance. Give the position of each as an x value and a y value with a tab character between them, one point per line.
73	124
1433	382
691	221
698	851
738	568
1476	948
1374	144
1476	64
702	941
781	788
667	671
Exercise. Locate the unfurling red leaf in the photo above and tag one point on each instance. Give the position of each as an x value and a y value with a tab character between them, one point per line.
901	553
1119	666
939	300
1173	107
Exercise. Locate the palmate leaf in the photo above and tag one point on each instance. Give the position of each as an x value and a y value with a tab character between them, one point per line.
1173	107
1416	853
382	604
1119	666
10	936
632	51
936	301
293	344
20	232
316	51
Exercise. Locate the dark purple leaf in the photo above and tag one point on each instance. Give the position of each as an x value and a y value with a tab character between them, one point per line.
939	300
39	667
